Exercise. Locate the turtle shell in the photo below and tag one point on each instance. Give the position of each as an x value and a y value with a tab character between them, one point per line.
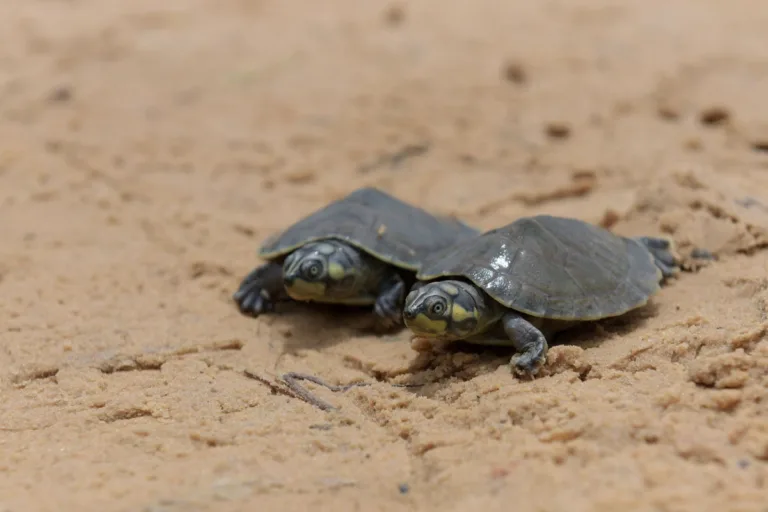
377	223
553	267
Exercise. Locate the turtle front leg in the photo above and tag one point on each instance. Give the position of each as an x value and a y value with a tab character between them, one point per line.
530	343
389	302
661	250
261	289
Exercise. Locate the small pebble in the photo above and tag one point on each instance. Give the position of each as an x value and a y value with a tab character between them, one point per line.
60	94
404	488
394	15
420	344
693	144
714	116
558	131
668	113
514	73
610	217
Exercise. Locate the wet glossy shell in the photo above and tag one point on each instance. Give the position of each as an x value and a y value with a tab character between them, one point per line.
377	223
553	267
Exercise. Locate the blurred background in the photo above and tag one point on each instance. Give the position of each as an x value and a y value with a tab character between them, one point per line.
147	148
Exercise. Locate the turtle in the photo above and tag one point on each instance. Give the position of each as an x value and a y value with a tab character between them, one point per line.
363	249
521	284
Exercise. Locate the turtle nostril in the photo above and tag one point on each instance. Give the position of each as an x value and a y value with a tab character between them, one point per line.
408	314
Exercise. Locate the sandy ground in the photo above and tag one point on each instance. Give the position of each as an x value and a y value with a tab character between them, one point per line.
146	148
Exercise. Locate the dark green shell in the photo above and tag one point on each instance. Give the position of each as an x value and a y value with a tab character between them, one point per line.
377	223
553	267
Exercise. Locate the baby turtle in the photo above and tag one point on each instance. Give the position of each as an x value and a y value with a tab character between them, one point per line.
363	249
520	284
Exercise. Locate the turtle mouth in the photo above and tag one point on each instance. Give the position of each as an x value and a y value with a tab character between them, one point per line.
299	289
422	325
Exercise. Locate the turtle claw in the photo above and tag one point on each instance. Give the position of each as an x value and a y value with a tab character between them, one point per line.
388	314
662	251
526	365
389	304
253	300
259	289
530	343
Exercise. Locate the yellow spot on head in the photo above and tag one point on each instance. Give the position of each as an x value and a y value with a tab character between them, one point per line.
459	314
336	271
449	289
304	290
424	325
325	248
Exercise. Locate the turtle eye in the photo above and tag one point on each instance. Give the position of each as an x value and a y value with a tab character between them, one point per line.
313	270
437	308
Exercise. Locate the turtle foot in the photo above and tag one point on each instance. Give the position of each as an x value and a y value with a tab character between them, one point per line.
662	251
259	290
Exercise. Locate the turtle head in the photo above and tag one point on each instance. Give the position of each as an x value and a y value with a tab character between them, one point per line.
323	270
445	310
